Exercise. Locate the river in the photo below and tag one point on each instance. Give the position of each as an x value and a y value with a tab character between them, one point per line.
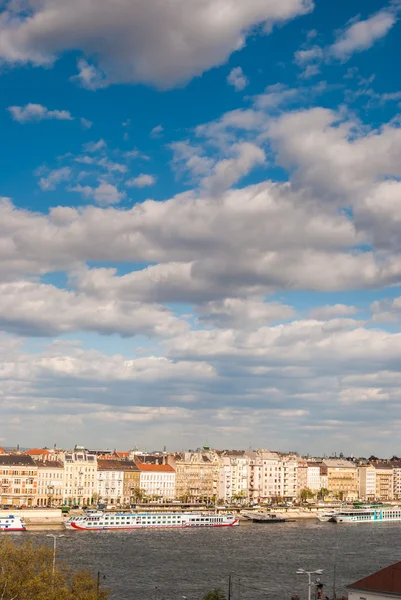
263	559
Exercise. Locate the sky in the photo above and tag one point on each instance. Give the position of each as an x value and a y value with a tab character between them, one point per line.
200	224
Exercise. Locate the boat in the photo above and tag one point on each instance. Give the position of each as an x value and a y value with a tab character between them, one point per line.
265	519
327	516
382	514
110	520
12	523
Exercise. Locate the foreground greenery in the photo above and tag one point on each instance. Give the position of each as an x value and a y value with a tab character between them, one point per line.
26	573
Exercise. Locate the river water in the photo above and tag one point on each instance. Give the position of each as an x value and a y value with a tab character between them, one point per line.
184	564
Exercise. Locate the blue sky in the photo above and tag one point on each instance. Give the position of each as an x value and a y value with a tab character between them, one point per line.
199	234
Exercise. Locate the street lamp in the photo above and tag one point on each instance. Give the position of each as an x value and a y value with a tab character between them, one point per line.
309	573
54	553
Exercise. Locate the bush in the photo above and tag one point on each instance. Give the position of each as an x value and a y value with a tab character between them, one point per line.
26	574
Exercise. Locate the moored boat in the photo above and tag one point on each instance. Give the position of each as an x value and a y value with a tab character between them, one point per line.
12	523
327	516
117	521
382	514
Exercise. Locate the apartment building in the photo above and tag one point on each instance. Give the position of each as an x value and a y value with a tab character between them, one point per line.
279	476
367	482
132	481
50	487
110	481
233	476
384	481
314	476
157	481
397	479
80	470
342	478
18	480
255	476
302	475
197	475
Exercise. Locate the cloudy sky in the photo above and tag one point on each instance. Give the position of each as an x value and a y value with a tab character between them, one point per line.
200	224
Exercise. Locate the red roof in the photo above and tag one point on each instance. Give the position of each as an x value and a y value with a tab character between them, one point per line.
387	581
37	451
155	468
2	451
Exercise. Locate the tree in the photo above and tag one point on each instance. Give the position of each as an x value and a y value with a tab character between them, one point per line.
340	495
306	494
95	498
26	574
216	594
137	494
322	493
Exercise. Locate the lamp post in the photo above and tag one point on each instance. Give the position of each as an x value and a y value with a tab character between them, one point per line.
309	574
54	553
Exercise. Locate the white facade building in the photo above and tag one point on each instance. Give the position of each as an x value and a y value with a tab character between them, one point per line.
157	481
80	470
255	476
50	490
279	476
233	476
110	481
313	478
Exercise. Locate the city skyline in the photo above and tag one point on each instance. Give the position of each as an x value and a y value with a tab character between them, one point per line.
199	224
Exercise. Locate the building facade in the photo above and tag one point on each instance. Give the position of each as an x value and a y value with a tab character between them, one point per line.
384	481
157	481
132	482
342	478
110	481
80	483
197	475
367	482
18	480
50	488
233	476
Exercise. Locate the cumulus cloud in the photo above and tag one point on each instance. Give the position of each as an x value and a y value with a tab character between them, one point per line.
361	35
228	171
53	178
237	79
141	181
37	112
86	124
103	194
157	131
95	146
130	45
331	311
243	313
34	309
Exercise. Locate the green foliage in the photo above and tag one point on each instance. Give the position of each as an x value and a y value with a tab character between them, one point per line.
322	493
306	494
26	574
216	594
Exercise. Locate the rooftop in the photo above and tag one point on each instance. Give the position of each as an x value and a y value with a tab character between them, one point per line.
155	468
17	460
110	464
386	581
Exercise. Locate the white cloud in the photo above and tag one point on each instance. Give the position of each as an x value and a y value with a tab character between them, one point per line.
104	194
141	181
44	310
89	76
131	45
330	311
95	146
86	124
237	79
228	171
361	35
386	311
53	178
157	131
37	112
243	313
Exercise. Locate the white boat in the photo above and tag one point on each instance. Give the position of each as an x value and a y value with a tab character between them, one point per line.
327	516
12	523
110	520
382	514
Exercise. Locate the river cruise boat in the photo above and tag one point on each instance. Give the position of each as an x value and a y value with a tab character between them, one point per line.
12	523
382	514
110	520
327	516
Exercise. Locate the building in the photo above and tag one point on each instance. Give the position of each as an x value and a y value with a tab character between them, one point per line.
342	478
383	585
110	481
197	475
41	454
233	476
255	476
367	482
50	488
302	476
384	481
18	480
79	477
314	476
279	476
132	481
397	479
157	481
